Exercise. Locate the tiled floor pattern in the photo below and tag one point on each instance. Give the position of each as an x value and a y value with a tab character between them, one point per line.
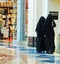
6	54
30	56
26	55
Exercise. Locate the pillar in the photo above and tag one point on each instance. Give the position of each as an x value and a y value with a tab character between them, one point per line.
20	20
45	8
31	17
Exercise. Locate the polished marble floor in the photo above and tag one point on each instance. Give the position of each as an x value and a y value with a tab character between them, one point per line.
32	57
26	55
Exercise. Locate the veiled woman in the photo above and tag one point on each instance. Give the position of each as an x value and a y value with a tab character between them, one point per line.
50	34
40	40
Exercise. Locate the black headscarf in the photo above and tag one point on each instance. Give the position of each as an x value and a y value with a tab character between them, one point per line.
40	23
50	21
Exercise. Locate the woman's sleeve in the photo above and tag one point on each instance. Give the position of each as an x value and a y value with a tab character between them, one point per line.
54	24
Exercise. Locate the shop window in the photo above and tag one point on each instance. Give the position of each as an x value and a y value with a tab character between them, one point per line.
8	19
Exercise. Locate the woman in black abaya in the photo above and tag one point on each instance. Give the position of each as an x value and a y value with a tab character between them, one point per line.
50	34
40	39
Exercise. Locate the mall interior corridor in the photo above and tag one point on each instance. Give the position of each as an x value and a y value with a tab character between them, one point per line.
18	20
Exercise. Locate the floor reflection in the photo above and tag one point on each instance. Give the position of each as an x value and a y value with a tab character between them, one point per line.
25	55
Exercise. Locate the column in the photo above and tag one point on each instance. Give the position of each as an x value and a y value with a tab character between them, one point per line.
20	23
45	8
20	20
31	21
31	17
